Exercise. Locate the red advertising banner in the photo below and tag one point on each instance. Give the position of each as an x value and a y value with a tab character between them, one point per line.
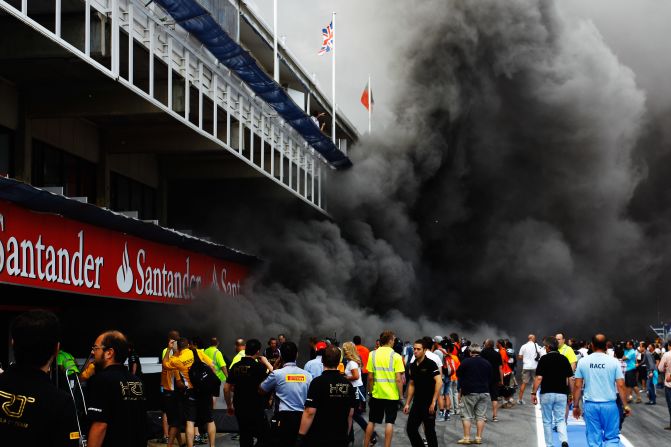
53	252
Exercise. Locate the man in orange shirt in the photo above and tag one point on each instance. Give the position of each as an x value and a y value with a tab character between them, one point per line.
363	353
194	407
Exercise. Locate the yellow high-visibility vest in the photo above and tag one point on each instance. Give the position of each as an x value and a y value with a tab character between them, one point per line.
383	364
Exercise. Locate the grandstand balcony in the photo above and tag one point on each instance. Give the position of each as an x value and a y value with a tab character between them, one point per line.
141	106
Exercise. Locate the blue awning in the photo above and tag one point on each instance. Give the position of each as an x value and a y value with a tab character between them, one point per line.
197	20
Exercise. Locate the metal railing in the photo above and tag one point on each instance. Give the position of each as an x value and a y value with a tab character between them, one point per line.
189	63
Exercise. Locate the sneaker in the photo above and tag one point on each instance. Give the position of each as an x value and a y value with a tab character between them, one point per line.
520	402
650	403
373	439
495	419
163	440
199	440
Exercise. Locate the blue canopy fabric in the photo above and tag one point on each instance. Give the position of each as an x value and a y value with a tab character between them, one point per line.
197	20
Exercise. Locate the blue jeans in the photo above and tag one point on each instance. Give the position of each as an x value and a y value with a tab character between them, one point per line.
652	391
602	423
553	408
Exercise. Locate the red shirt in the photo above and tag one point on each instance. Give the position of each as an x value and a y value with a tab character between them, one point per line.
363	353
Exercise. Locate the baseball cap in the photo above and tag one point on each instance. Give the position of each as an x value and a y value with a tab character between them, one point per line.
320	345
437	339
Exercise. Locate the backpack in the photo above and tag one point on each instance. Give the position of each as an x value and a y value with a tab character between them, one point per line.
448	366
203	379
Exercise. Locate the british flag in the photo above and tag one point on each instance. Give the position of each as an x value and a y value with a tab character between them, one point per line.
327	39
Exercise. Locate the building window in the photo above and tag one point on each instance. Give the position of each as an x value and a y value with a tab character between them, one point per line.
6	152
54	167
130	195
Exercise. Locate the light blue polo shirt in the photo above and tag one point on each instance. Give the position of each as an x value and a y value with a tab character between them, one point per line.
290	384
315	367
599	371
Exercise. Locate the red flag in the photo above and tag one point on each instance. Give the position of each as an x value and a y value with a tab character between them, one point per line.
364	98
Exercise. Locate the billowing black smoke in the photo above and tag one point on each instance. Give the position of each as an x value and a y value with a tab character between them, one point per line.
511	192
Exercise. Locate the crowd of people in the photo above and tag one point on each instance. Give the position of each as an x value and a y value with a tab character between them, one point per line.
430	380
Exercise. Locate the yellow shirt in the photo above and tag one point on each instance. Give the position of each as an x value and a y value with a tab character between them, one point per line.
568	352
383	364
237	358
182	362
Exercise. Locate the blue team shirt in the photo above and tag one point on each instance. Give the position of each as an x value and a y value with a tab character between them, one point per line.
599	371
290	384
315	367
631	358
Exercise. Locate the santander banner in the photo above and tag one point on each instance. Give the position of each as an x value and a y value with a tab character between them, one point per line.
52	252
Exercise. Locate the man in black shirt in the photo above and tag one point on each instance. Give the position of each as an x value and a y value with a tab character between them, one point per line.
272	352
329	407
423	390
33	411
116	404
552	375
475	375
247	404
494	359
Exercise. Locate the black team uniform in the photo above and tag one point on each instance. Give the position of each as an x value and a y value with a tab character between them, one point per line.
246	376
423	377
35	412
494	359
117	398
333	396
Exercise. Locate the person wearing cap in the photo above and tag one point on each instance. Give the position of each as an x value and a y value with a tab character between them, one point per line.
474	375
315	366
290	385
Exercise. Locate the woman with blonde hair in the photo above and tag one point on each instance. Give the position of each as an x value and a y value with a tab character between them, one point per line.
353	374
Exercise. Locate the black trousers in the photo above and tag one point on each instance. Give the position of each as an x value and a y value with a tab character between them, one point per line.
252	424
285	429
419	414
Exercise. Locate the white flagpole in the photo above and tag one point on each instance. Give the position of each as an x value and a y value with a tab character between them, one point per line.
370	105
276	65
333	80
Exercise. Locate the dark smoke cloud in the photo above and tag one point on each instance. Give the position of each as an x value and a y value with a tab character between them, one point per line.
512	192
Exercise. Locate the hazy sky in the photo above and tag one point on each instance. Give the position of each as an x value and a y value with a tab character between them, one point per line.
369	33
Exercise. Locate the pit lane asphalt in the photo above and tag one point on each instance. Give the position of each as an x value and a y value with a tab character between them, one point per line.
517	428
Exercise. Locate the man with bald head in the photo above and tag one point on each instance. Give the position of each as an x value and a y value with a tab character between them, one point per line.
603	380
529	354
116	404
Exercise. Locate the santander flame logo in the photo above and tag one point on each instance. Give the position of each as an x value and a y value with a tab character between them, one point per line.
124	276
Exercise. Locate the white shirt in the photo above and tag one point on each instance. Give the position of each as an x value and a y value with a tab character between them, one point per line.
429	355
348	372
528	351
